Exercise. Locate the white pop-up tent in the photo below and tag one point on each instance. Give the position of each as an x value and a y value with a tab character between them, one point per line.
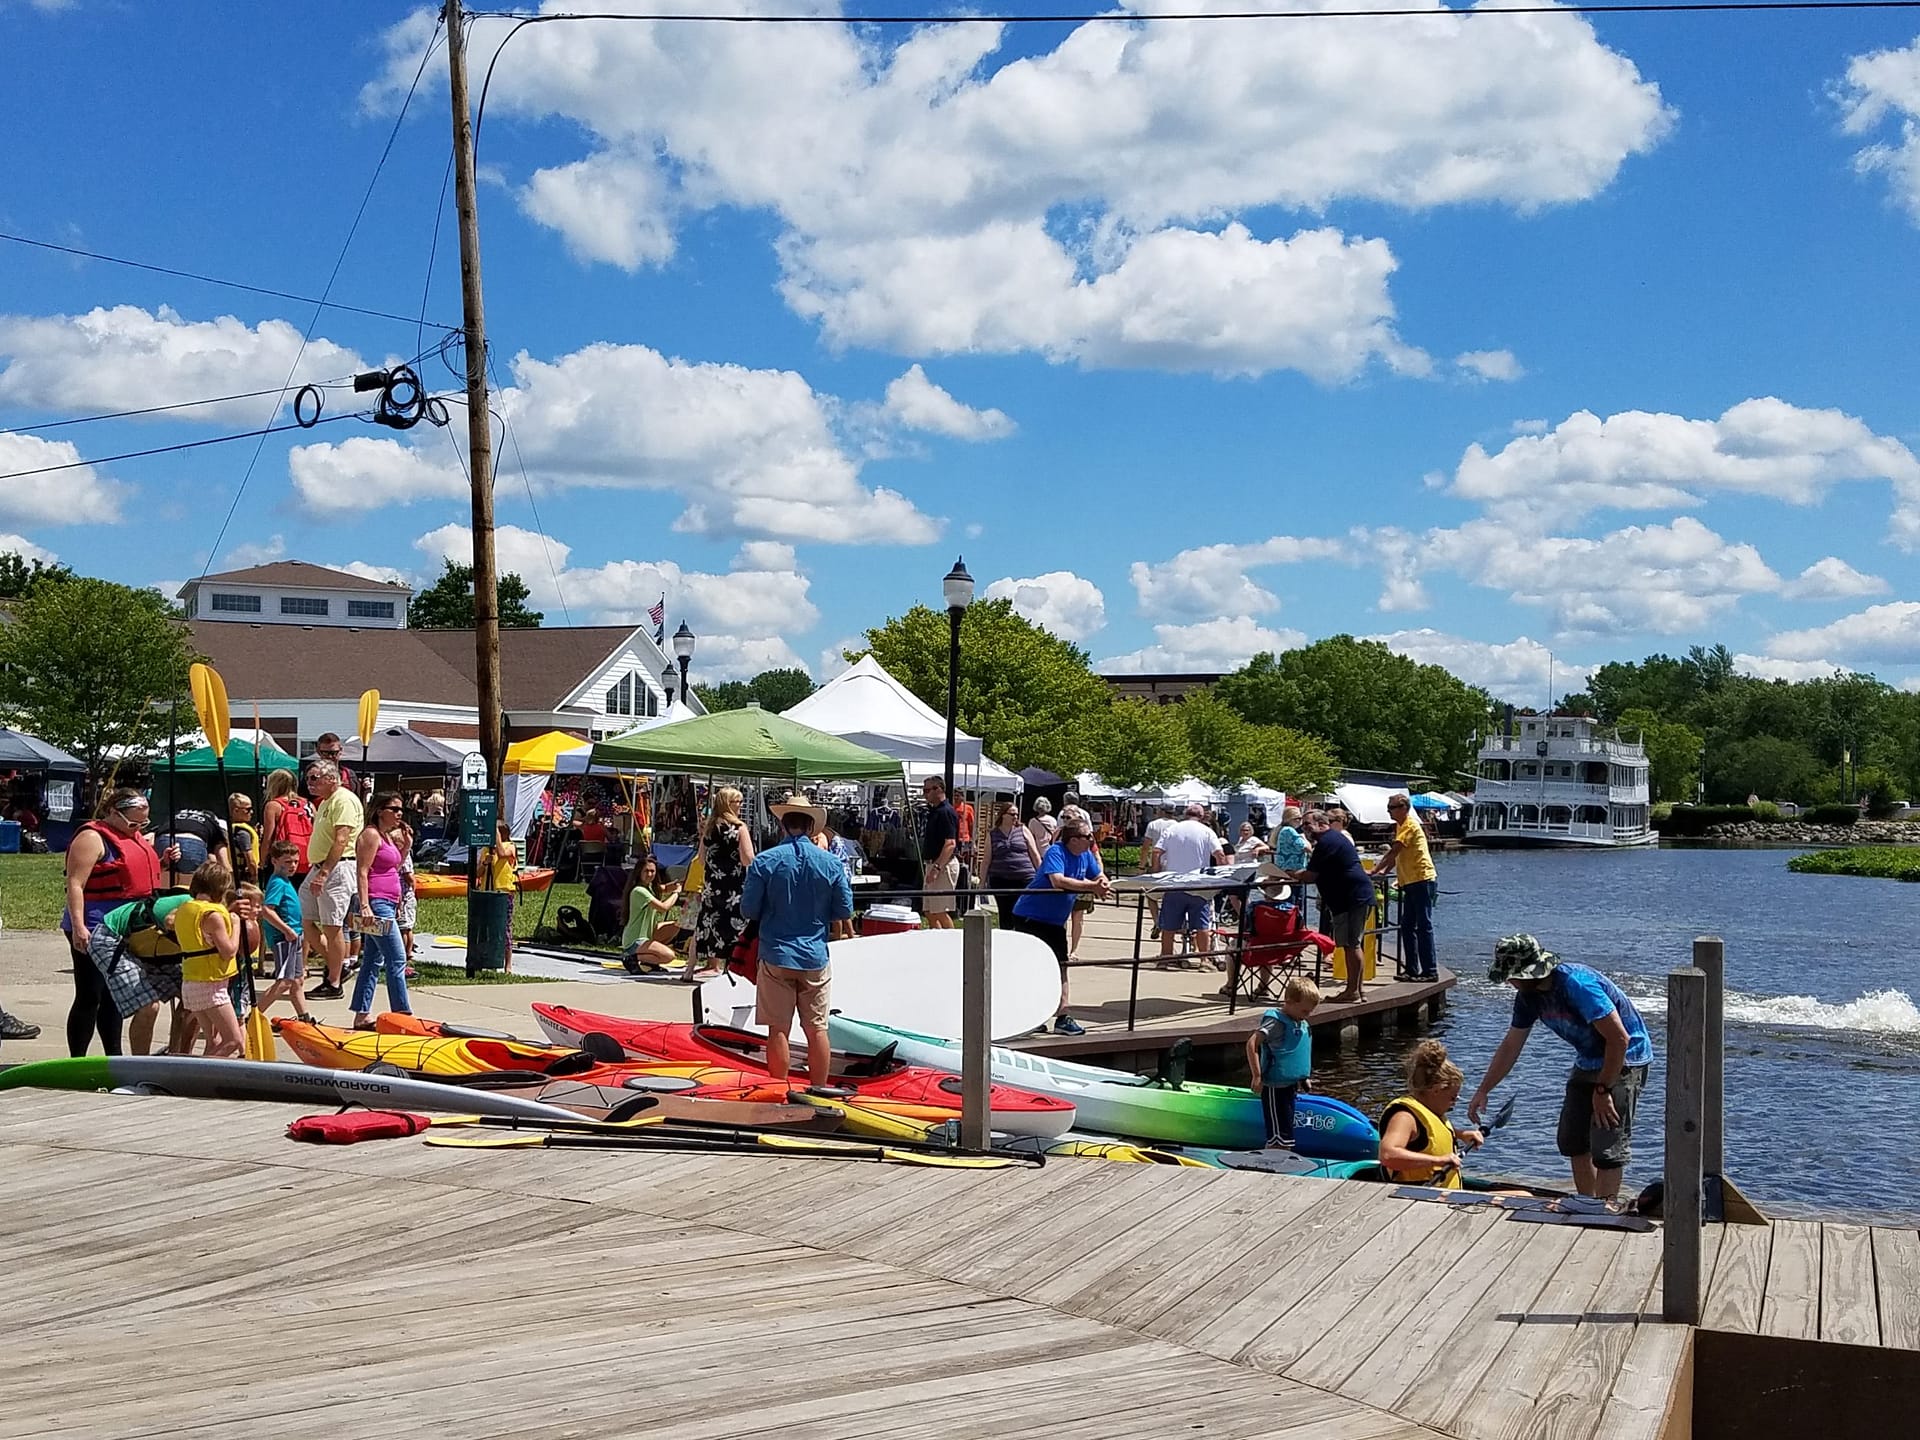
868	706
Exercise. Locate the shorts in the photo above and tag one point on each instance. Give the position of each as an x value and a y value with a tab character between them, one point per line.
781	991
330	904
1349	927
939	883
1055	937
193	851
205	994
1084	904
289	960
1184	910
409	910
1577	1134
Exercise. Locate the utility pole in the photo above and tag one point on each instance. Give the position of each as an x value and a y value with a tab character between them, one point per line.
486	592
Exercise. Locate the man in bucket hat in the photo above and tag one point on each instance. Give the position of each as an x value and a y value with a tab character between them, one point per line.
1611	1054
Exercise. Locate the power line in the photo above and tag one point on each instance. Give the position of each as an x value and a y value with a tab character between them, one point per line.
353	229
1648	7
183	445
546	550
207	279
338	384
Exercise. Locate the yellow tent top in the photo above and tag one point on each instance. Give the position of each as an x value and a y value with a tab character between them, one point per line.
537	756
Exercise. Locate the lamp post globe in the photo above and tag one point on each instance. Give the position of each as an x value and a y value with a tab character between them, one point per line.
683	652
957	589
667	677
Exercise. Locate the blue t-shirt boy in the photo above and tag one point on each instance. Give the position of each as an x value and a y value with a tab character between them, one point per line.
1572	999
283	899
1044	903
1286	1049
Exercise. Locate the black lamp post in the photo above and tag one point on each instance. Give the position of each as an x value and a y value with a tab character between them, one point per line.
957	588
666	686
683	652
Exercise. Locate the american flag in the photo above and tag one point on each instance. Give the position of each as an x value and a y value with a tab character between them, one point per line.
658	615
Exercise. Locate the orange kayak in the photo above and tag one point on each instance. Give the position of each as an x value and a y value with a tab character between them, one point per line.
446	887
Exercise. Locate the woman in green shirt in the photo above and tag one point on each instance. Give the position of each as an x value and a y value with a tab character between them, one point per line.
646	942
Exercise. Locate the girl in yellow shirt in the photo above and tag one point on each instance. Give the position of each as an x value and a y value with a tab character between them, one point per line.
208	934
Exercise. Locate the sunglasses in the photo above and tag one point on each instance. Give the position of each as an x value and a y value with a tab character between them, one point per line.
392	809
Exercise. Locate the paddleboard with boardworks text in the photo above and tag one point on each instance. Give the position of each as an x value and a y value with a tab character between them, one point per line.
911	981
193	1077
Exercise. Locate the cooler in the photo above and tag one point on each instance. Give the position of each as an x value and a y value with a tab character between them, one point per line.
889	920
9	837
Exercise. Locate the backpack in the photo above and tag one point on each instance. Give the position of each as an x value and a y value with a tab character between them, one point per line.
296	823
572	927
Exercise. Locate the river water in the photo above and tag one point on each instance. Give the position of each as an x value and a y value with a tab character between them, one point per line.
1822	1032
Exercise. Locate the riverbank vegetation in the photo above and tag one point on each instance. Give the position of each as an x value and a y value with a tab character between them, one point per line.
1877	862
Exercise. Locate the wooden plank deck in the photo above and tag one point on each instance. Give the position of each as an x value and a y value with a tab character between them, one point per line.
1816	1280
181	1268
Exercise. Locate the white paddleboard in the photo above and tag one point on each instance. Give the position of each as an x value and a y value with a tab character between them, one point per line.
915	976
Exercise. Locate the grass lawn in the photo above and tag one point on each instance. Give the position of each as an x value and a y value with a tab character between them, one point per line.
429	974
448	915
32	891
1878	862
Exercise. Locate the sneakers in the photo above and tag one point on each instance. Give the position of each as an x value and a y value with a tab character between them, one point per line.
324	991
1067	1025
12	1027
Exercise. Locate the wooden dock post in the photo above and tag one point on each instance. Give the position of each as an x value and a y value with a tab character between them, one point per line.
1686	1084
1710	957
976	1030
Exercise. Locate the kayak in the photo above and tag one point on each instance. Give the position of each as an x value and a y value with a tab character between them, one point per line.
449	887
195	1077
1115	1102
936	1092
337	1048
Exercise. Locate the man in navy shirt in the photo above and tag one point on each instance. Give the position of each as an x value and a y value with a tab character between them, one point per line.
1610	1048
1346	894
940	849
796	890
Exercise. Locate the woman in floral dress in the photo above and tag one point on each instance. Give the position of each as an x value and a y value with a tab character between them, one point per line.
727	850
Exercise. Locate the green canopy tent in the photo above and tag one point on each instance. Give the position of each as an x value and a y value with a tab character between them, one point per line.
240	759
751	743
191	778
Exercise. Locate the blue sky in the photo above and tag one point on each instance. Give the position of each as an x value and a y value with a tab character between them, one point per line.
1499	337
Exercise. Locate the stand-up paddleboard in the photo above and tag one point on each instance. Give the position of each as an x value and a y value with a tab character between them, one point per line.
912	981
193	1077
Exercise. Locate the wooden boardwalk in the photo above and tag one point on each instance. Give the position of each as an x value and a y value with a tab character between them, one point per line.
1817	1280
178	1267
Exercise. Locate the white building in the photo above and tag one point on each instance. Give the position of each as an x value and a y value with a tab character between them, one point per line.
1561	780
292	592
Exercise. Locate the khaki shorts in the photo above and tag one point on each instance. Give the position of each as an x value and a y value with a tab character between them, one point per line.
782	991
939	884
329	905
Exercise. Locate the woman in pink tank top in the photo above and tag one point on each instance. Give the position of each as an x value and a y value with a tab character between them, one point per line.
378	857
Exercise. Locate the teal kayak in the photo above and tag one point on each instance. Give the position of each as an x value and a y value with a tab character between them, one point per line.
1114	1102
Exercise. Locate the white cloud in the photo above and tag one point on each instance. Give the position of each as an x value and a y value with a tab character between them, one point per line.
917	403
363	473
1832	579
127	358
833	659
1889	632
1519	671
26	549
1212	579
1770	667
1881	86
941	161
369	571
75	495
741	617
1209	647
1060	601
1489	365
1638	460
257	552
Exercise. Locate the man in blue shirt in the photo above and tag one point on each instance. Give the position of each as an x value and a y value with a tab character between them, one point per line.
796	890
1069	869
1610	1048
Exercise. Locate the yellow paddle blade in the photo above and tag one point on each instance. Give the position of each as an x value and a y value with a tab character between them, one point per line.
210	704
482	1142
901	1157
369	718
867	1122
260	1042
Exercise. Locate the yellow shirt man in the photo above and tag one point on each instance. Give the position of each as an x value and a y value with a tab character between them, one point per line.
340	808
1412	863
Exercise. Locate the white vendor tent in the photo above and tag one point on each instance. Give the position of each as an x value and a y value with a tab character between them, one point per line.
868	706
1187	792
1091	787
1368	803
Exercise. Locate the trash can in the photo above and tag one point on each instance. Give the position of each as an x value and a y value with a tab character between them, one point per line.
9	837
889	920
489	912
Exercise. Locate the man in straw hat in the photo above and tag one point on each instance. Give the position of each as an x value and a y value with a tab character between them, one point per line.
796	890
1611	1055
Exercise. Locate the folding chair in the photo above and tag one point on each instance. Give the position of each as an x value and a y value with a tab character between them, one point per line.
1277	944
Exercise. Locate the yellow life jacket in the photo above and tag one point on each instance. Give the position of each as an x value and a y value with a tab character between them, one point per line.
1431	1136
201	962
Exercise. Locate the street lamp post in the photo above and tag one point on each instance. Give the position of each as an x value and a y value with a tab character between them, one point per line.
957	588
683	652
666	686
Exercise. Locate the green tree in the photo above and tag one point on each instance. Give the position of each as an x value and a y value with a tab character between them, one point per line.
1673	753
1376	709
782	689
728	695
1659	683
1226	750
447	604
1763	765
1031	697
89	666
1136	744
20	577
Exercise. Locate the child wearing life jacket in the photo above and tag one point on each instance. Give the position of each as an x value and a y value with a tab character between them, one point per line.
208	932
1417	1141
1280	1057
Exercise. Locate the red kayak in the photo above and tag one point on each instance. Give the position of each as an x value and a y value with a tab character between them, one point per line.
872	1077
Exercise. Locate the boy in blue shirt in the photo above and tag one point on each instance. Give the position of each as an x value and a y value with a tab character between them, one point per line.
1611	1053
282	920
1280	1058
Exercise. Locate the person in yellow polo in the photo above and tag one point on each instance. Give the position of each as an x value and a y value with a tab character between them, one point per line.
1412	866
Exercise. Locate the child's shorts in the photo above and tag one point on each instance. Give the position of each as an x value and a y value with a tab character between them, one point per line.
205	994
290	960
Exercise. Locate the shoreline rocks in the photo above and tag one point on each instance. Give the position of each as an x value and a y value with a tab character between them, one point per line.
1792	832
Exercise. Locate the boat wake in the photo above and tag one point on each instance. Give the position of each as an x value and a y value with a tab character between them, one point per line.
1878	1012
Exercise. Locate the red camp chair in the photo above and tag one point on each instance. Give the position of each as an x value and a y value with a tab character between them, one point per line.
1277	944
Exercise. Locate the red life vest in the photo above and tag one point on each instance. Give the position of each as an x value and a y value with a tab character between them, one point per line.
296	826
128	868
